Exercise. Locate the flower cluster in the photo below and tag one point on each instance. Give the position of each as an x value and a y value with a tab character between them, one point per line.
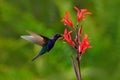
80	44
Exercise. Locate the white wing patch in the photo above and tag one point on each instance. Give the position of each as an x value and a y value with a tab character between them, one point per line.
29	38
35	38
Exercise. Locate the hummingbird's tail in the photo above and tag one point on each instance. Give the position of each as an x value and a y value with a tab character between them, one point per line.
39	54
35	57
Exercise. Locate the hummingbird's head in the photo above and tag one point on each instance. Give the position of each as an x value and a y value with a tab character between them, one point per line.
56	36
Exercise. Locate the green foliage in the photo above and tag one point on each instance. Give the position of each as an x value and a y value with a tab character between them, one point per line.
44	17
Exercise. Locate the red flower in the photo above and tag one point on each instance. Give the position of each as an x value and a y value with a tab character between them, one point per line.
81	13
67	37
66	20
84	44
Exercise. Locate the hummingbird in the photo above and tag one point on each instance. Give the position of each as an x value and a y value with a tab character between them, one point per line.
46	43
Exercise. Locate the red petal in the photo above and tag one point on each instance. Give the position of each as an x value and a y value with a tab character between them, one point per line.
81	13
66	20
84	44
67	37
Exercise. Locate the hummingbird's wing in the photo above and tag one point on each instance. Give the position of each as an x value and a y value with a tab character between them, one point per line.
35	38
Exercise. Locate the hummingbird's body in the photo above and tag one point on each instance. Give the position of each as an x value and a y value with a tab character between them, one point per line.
46	43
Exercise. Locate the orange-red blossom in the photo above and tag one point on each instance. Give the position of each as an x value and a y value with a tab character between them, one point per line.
84	44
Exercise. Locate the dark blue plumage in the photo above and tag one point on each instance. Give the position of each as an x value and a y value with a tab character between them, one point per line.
43	41
49	45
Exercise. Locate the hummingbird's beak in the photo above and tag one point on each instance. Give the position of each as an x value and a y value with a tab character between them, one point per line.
61	36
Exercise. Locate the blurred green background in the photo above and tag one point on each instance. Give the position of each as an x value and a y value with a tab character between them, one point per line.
102	62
